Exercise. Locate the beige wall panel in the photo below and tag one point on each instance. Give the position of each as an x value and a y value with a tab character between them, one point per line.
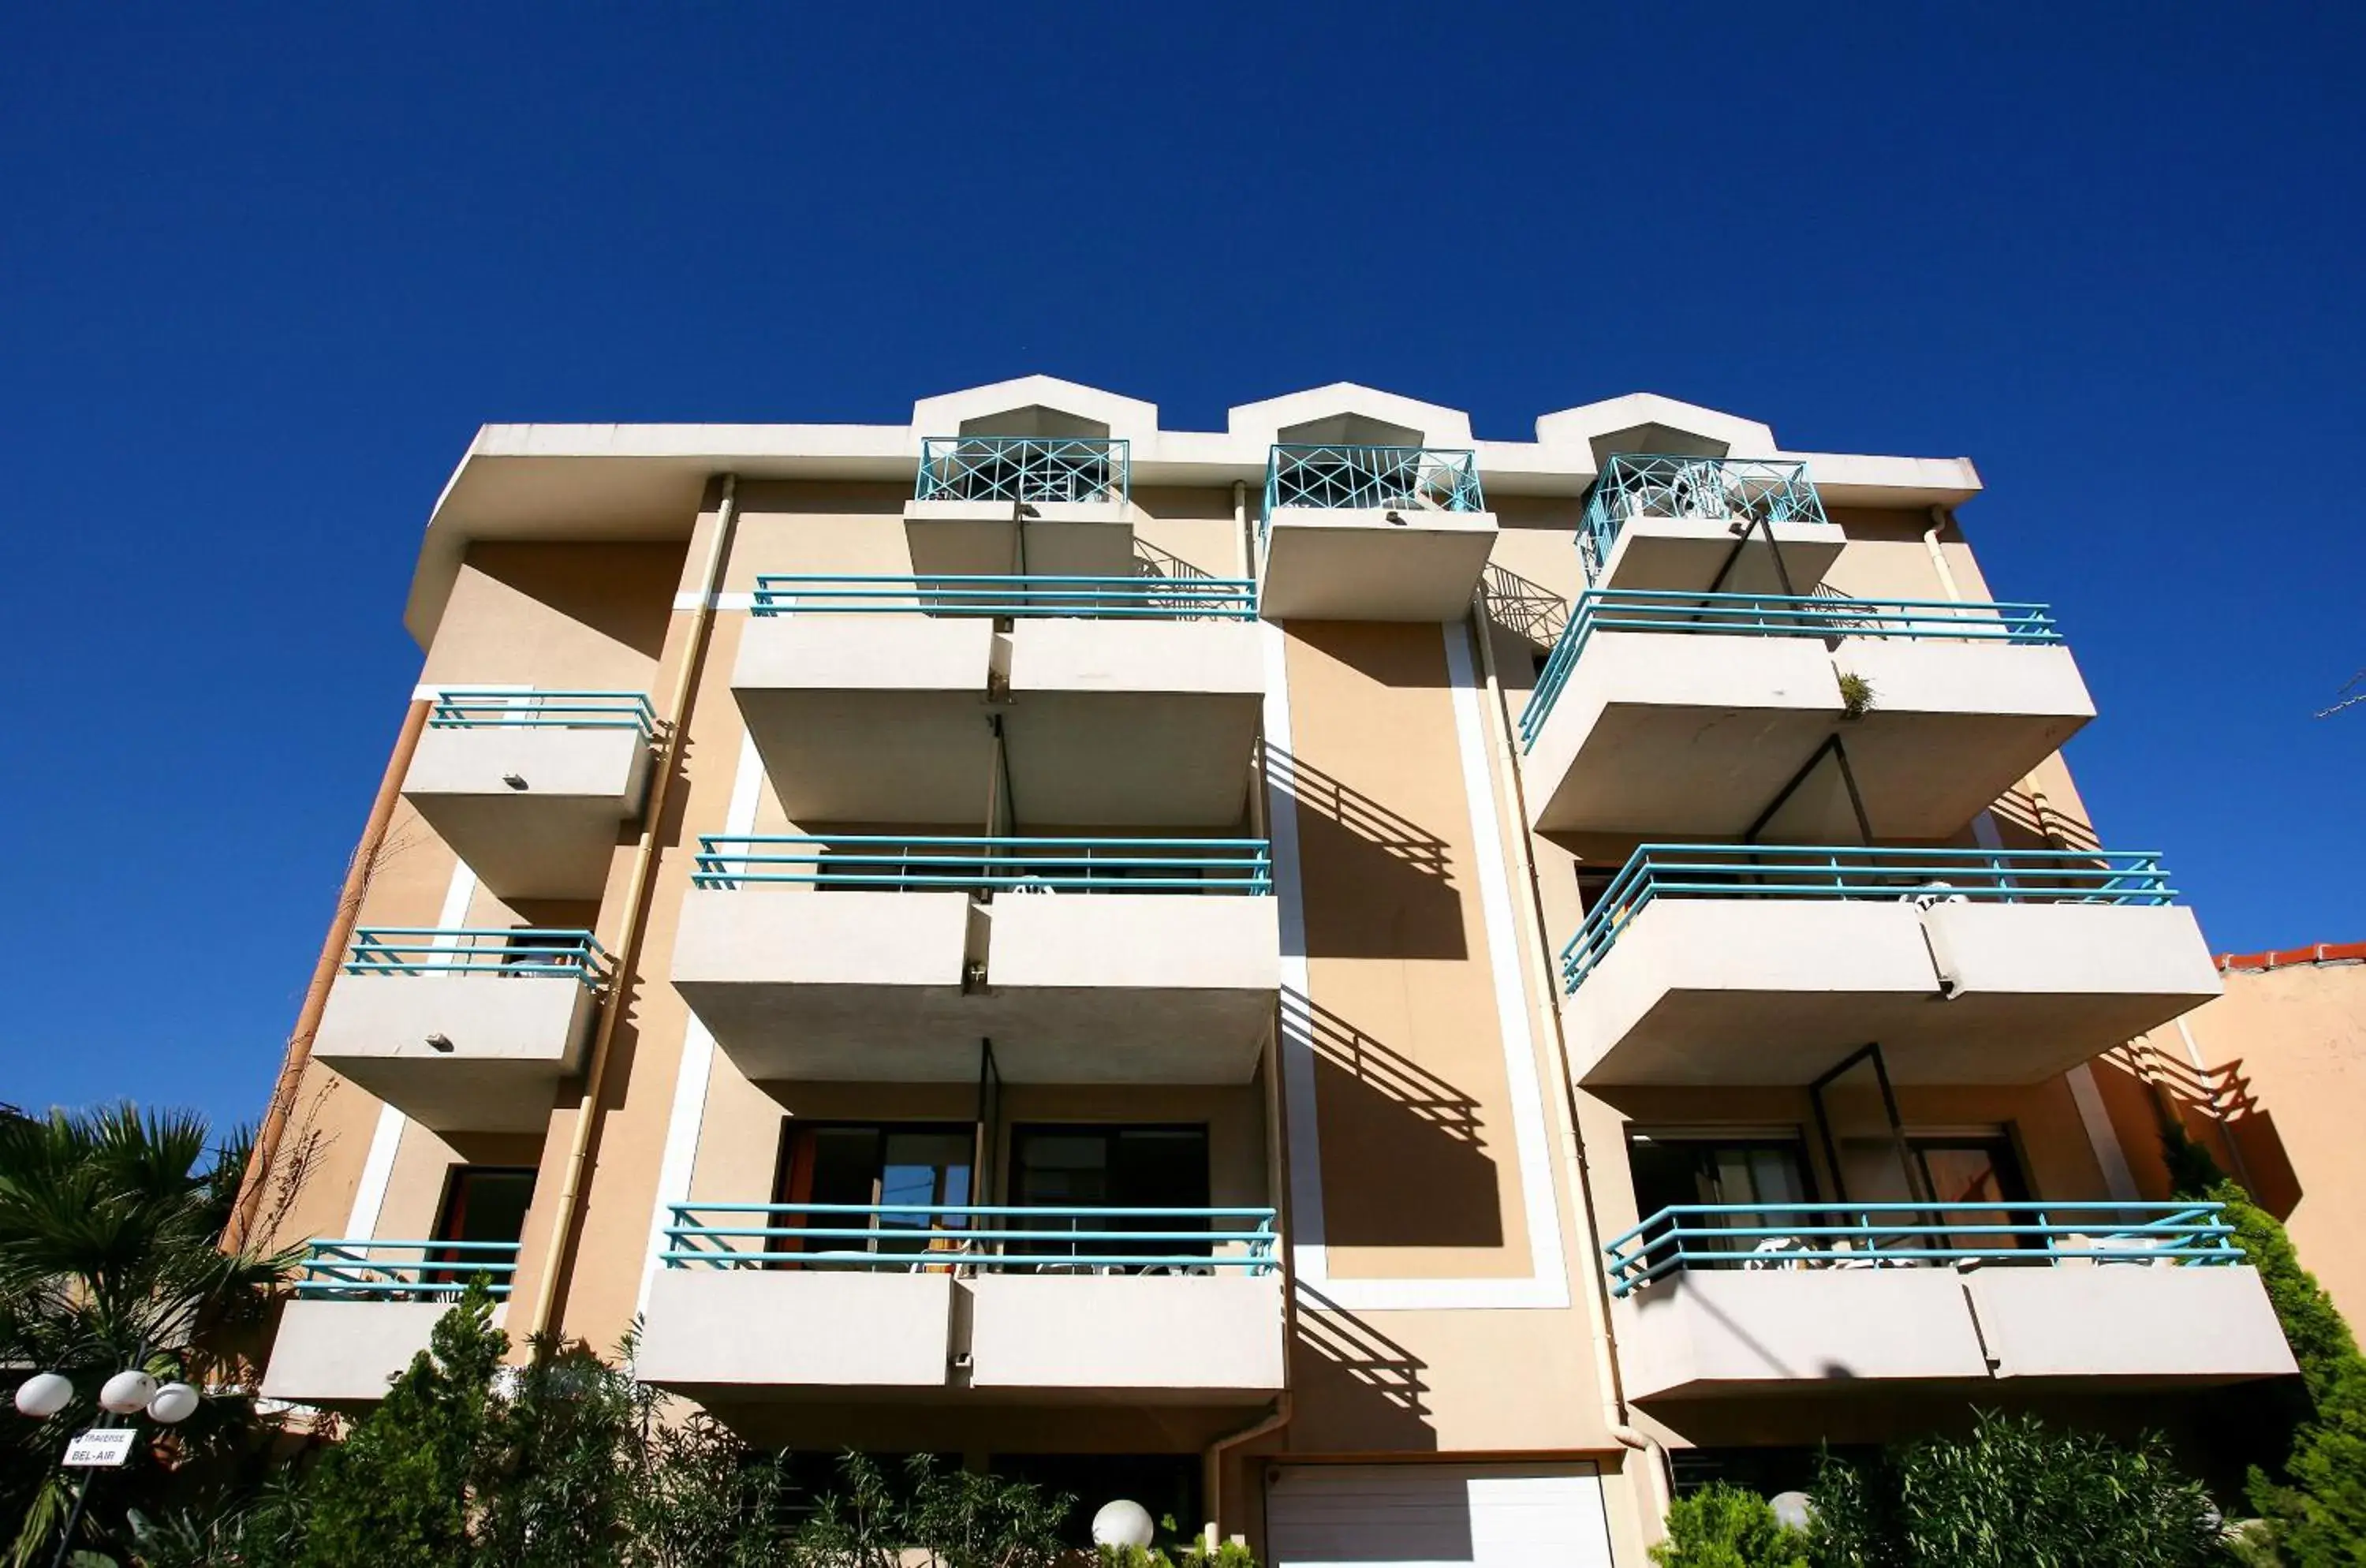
1193	526
820	529
578	616
1496	1382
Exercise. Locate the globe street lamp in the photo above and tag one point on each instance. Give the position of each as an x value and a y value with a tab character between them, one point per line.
128	1394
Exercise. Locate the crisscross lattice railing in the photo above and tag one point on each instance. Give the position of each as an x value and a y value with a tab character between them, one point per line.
1717	490
1033	469
1354	478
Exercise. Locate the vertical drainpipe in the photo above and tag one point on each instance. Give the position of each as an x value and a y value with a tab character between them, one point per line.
324	973
1605	1347
635	911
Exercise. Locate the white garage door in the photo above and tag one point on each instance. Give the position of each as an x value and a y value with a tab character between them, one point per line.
1436	1515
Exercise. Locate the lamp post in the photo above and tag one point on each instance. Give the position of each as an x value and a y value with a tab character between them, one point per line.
128	1394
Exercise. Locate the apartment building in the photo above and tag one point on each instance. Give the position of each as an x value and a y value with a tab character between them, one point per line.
1393	994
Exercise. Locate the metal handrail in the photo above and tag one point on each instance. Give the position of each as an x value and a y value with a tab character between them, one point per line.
1080	598
926	1236
1335	477
1028	469
1721	490
1811	872
894	863
1886	1235
1773	615
521	951
471	707
357	1268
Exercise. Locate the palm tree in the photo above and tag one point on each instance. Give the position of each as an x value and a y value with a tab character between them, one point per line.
110	1256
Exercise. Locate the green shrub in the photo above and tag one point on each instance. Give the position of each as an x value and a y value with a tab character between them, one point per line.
1726	1526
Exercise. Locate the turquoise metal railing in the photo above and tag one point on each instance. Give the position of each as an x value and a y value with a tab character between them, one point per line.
1081	598
478	949
376	1270
1717	490
467	707
1021	469
1407	479
1902	1236
987	1238
1813	872
896	863
1772	615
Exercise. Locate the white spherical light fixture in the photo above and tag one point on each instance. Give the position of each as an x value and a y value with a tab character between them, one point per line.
1792	1510
43	1395
174	1404
126	1393
1121	1523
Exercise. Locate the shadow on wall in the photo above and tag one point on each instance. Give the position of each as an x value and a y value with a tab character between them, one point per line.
624	592
1373	1388
1380	883
2025	820
1407	1145
2219	1111
1527	608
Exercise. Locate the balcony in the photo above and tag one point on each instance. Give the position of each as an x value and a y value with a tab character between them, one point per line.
994	504
362	1309
528	787
1373	532
1701	524
1725	1301
1123	700
1693	712
888	959
461	1029
770	1301
1756	963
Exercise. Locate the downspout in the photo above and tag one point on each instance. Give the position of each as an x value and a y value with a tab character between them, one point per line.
1941	519
1605	1349
324	973
1241	528
636	909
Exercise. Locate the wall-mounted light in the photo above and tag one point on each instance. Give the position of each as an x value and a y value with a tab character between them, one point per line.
439	1042
516	780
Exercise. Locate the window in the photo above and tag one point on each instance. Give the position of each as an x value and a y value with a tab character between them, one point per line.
1111	1168
1763	1173
481	1204
902	1170
1962	1172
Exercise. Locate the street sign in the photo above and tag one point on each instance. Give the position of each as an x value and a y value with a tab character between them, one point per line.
101	1445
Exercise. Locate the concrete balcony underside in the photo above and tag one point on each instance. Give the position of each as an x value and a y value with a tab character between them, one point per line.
1682	734
1076	538
513	1040
1700	555
1842	1332
1411	564
1111	722
1775	991
744	1335
551	834
344	1353
1079	987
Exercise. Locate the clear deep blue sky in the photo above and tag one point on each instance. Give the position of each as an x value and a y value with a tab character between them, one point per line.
261	280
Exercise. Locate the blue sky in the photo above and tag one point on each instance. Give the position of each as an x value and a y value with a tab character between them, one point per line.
261	277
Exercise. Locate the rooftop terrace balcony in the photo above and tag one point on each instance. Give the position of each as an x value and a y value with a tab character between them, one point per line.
888	959
1662	711
1757	963
1702	523
1373	532
761	1300
1727	1300
528	787
464	1029
1123	700
363	1308
1002	503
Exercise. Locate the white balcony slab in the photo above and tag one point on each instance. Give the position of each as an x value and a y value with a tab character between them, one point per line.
511	1040
1677	735
854	985
2151	1323
1131	988
1136	723
341	1353
994	538
1697	554
864	717
1152	1337
740	1332
1373	564
535	812
1775	991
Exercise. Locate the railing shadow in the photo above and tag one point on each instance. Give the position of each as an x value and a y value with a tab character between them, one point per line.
2028	814
1381	885
1531	609
1149	560
2216	1106
1376	1388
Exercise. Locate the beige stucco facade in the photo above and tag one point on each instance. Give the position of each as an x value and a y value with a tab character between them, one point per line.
1414	1133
